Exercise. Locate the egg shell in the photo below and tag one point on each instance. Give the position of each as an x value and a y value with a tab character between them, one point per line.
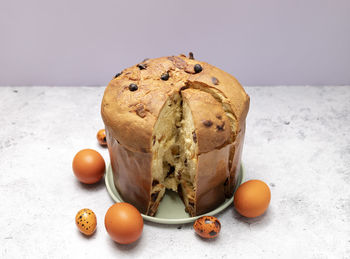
207	226
88	166
252	198
86	221
124	223
101	137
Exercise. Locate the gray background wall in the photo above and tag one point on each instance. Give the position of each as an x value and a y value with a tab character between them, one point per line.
81	42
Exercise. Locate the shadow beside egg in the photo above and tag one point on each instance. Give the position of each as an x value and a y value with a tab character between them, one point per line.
265	218
211	240
92	236
126	247
91	187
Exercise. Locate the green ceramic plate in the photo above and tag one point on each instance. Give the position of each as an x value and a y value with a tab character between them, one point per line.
171	209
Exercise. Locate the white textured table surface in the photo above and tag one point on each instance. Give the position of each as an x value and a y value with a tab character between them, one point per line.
297	141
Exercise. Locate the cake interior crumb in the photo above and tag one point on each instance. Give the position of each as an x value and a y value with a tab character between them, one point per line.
174	148
174	157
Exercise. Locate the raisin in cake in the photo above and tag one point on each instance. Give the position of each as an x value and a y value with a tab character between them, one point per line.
175	123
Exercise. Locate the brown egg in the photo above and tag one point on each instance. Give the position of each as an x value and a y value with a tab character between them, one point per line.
86	221
252	198
101	137
123	223
88	166
207	226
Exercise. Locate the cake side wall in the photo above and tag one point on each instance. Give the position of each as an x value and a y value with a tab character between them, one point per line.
236	162
212	172
131	173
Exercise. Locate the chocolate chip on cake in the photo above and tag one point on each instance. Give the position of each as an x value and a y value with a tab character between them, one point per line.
154	196
197	68
133	87
184	88
220	127
219	117
118	74
142	66
207	123
190	55
170	171
165	76
194	136
215	80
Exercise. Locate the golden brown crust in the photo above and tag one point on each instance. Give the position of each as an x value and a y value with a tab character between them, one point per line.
131	115
228	86
210	121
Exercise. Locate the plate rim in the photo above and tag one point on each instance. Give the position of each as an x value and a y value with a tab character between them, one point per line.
221	207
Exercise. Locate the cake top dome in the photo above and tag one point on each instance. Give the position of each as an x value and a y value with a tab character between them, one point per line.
134	98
